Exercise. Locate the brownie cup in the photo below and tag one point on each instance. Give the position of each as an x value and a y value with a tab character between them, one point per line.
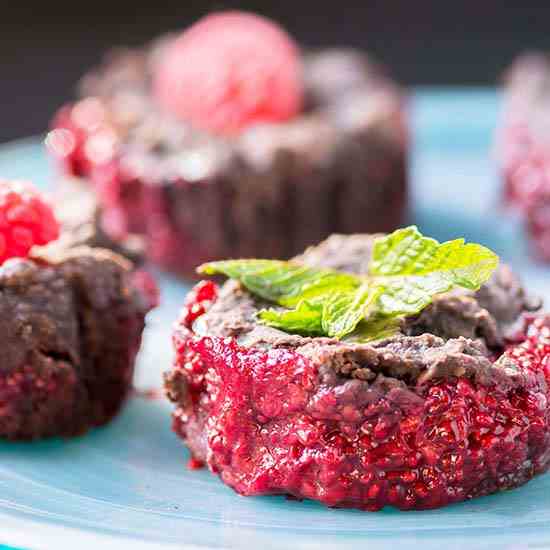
71	321
523	145
452	407
270	190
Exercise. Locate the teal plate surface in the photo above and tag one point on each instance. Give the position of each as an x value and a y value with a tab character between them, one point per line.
126	485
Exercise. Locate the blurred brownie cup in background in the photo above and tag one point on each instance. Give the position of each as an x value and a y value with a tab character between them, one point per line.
229	140
523	145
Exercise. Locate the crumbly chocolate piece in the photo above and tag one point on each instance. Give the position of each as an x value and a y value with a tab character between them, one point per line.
70	322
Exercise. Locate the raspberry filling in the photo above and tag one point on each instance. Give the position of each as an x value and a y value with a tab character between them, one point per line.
276	422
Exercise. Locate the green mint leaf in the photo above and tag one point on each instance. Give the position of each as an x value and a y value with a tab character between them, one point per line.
336	315
374	328
284	283
306	319
412	269
326	302
406	271
342	311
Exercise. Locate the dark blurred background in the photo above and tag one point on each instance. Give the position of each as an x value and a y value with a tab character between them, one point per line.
46	46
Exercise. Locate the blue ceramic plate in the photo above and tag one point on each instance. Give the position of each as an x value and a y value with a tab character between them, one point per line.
126	485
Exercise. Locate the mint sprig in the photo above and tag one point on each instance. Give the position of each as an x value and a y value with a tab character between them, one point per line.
305	319
413	269
334	313
407	270
284	283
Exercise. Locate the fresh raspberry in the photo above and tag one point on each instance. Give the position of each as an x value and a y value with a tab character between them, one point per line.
231	70
26	219
267	422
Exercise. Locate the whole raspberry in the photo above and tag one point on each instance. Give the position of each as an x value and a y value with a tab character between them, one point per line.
26	219
230	70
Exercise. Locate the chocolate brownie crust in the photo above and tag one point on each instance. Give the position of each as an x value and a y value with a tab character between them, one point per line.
71	324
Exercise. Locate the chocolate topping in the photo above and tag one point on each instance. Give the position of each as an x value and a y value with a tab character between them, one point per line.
43	305
457	335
